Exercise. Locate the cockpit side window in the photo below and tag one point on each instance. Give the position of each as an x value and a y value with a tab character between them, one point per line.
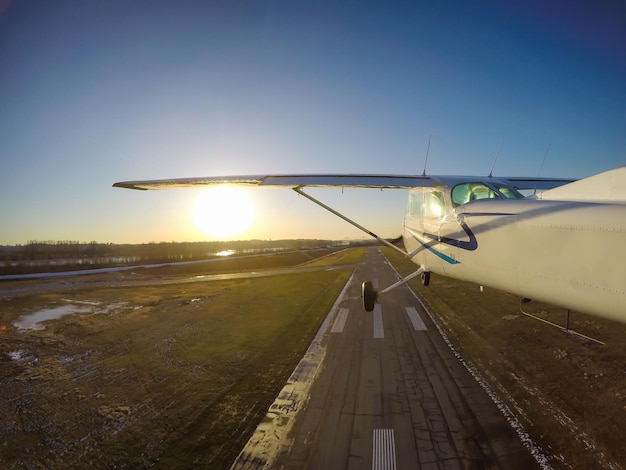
415	204
434	205
460	194
466	192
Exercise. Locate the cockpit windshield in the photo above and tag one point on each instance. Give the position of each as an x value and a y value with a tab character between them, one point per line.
467	192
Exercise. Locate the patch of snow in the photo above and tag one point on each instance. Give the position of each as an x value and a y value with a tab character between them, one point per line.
18	355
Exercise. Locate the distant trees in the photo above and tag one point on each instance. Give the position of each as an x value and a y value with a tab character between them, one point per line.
66	255
68	249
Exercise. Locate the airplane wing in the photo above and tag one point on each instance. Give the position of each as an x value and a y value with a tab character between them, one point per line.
521	183
330	180
287	181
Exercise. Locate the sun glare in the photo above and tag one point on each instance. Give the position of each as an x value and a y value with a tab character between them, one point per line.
223	212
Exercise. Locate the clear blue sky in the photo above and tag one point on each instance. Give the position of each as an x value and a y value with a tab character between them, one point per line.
93	92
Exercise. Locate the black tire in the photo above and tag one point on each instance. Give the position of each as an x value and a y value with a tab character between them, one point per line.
369	296
425	279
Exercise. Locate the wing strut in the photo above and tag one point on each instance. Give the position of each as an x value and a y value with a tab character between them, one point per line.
360	227
404	280
370	295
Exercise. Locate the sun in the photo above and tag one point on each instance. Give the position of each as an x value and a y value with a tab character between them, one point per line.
223	212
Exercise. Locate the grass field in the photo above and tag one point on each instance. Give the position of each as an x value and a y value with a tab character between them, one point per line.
569	393
173	376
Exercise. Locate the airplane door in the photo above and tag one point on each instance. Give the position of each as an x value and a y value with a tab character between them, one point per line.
440	223
413	222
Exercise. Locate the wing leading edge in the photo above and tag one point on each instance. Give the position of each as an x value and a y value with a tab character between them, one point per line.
287	181
333	180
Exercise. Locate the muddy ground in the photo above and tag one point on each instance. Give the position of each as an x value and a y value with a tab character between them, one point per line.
165	370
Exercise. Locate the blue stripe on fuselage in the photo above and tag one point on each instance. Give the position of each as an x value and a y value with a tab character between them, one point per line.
470	245
437	253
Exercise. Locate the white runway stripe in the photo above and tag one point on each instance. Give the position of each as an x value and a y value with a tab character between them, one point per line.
340	321
384	450
415	318
379	330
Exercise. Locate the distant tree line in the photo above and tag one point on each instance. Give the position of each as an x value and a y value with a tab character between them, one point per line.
49	256
36	250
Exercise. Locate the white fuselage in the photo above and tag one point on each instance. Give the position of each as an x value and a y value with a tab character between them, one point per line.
567	253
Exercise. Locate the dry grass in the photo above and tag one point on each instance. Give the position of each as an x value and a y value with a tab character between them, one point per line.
170	375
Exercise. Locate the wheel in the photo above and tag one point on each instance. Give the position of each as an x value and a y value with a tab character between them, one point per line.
369	296
425	278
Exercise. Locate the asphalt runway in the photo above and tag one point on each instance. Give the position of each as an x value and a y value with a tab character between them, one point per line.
389	393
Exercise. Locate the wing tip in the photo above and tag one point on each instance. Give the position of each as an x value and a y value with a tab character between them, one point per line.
128	185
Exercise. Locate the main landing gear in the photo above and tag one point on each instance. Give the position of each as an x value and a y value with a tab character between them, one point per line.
370	295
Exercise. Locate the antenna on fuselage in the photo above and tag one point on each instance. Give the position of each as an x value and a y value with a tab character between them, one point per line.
541	166
495	159
426	159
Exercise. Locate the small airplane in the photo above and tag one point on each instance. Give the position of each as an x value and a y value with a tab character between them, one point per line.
565	246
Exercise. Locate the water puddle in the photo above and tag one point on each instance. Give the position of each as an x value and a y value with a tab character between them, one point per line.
34	321
225	253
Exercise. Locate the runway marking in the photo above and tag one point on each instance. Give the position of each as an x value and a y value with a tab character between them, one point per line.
375	283
340	321
415	318
384	450
379	330
270	437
